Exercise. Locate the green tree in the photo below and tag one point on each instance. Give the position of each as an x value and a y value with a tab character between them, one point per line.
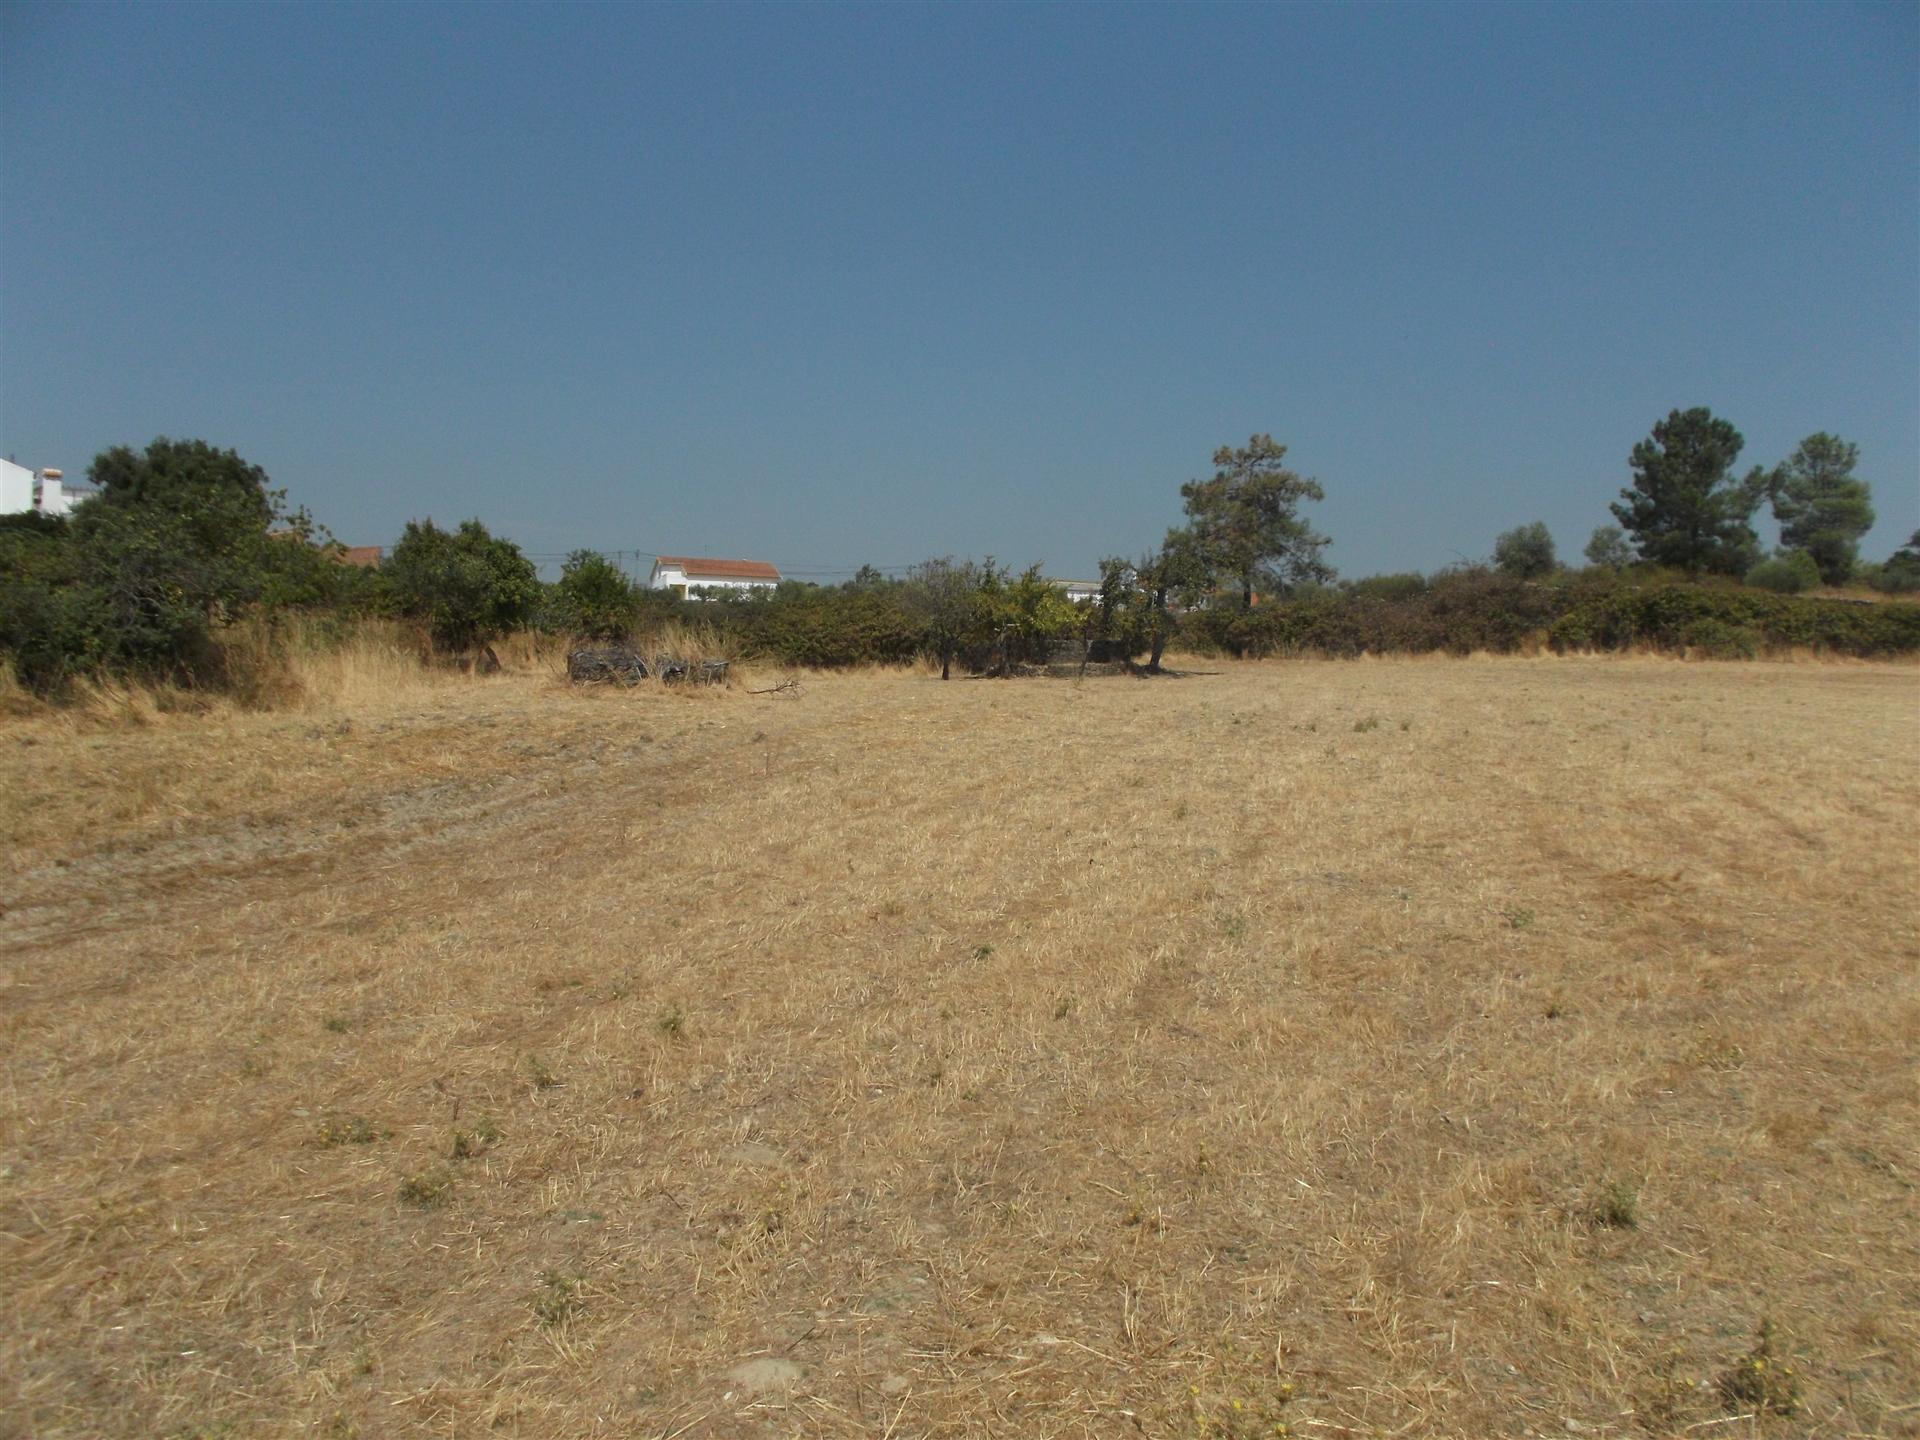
1684	508
594	599
1822	507
1177	574
943	596
1025	617
182	539
176	544
1608	548
1246	524
1901	572
467	587
1525	552
191	518
1115	621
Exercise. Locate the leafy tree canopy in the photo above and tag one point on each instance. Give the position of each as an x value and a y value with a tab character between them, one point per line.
1525	552
594	599
942	594
1822	507
1245	521
1901	573
1608	547
467	586
1684	509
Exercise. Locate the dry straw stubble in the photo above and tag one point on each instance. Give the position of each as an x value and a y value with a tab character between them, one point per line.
1045	1057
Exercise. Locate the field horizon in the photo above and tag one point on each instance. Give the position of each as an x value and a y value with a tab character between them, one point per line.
1456	1047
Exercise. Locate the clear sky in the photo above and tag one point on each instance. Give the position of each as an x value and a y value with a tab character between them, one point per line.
828	285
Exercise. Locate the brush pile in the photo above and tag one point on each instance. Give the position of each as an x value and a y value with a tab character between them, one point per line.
619	665
606	665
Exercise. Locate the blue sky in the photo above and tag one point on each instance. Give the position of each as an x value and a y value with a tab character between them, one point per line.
839	284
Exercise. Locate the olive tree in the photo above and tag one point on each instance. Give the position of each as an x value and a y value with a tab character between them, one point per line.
1525	552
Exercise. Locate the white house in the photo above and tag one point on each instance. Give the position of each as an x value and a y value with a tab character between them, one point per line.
699	577
24	489
1080	592
16	488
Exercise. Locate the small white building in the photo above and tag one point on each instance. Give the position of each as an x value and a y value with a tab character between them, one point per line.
42	490
698	577
1080	592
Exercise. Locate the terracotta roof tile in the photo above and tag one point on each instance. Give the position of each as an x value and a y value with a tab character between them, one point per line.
700	568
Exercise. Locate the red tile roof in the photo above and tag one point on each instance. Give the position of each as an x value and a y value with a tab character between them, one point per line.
699	568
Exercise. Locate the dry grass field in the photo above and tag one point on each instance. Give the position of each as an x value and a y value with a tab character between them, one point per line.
1458	1048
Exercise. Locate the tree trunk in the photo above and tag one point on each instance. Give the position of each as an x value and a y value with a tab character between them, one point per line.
946	663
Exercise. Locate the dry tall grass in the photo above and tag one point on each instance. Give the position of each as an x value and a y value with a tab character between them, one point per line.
1427	1047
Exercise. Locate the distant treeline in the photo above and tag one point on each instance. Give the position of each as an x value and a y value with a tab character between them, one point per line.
184	541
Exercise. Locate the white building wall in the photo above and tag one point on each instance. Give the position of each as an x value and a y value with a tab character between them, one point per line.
16	488
696	583
53	500
669	577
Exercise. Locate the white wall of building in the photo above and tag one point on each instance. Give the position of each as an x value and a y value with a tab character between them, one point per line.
672	577
53	499
42	490
16	488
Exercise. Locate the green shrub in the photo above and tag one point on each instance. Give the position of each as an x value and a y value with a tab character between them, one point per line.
593	599
1721	641
1402	587
1676	616
466	586
1788	572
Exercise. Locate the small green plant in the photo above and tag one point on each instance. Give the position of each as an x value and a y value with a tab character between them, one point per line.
426	1187
1617	1206
335	1024
981	952
1717	1052
541	1074
1254	1418
477	1141
671	1022
1758	1381
346	1130
1668	1394
1517	918
1371	722
1062	1007
558	1298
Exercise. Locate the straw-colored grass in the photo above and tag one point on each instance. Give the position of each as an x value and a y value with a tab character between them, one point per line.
1457	1048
